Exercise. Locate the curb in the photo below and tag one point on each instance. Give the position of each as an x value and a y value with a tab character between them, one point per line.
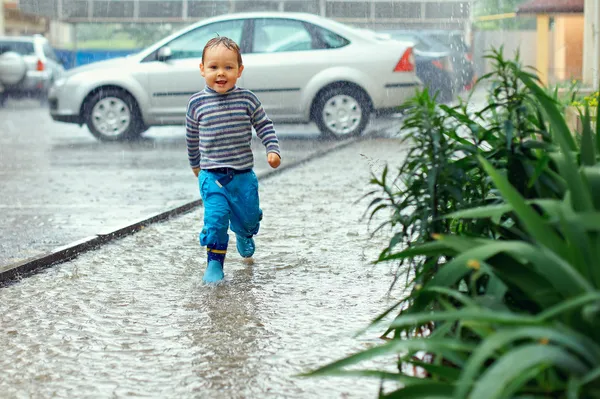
28	267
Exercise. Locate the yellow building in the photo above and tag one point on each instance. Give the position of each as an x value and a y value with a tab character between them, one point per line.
13	22
566	53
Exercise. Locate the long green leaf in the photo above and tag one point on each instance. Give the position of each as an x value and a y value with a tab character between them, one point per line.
510	366
460	243
569	304
549	267
575	235
598	128
489	211
592	175
426	249
573	387
429	391
533	222
490	347
496	288
454	294
396	346
380	375
465	315
582	198
591	222
450	374
591	376
550	206
562	133
557	271
588	150
451	272
515	385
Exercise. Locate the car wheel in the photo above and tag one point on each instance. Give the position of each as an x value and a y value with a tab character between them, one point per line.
12	68
113	115
342	112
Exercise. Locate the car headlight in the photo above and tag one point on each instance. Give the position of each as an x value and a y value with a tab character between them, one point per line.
59	83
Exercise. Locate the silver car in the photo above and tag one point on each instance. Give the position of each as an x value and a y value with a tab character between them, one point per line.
28	67
301	66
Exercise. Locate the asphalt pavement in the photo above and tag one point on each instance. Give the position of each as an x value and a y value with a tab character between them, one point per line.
132	318
59	184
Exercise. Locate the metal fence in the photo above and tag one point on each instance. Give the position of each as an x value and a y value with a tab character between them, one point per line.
416	13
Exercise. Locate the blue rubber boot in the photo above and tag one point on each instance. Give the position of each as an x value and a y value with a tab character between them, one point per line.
245	246
214	272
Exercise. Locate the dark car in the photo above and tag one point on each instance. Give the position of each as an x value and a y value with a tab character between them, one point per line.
461	54
433	63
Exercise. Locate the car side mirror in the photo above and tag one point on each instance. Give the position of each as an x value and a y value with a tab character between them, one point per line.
164	53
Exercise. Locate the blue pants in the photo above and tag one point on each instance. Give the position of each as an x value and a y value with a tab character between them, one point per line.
234	204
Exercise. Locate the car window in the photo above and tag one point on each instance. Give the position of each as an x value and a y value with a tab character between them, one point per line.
452	41
420	45
23	48
278	35
191	44
49	52
330	39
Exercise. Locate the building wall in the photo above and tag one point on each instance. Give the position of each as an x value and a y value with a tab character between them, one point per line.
512	42
60	34
1	19
590	43
565	45
568	46
574	42
17	23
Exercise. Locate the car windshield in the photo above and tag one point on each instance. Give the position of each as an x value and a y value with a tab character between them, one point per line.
20	47
452	41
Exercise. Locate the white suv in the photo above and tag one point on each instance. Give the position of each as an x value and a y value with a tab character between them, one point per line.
28	67
301	66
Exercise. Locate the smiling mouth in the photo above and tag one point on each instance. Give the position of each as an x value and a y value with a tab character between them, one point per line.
221	82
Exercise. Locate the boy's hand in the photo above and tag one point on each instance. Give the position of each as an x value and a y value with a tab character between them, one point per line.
196	171
273	160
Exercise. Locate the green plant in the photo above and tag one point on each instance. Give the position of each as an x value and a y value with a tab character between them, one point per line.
515	313
430	182
440	173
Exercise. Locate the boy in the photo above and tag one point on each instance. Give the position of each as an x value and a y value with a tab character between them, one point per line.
219	125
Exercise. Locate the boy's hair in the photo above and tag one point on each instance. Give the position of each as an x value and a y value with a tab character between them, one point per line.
223	41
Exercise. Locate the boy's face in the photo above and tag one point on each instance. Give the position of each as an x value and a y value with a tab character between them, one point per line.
220	68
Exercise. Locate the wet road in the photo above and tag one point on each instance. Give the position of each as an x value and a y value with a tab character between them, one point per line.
59	185
132	319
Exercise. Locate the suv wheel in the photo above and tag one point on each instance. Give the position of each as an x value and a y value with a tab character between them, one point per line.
12	68
342	112
113	115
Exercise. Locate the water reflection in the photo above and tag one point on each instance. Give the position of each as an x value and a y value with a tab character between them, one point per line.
133	319
227	334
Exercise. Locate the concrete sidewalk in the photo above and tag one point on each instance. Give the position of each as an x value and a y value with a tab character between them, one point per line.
132	317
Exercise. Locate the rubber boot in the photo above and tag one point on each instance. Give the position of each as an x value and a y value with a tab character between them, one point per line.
214	272
245	246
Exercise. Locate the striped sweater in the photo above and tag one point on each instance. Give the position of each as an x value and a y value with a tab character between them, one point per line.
219	129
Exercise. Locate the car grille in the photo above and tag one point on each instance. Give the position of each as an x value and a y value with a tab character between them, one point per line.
53	103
